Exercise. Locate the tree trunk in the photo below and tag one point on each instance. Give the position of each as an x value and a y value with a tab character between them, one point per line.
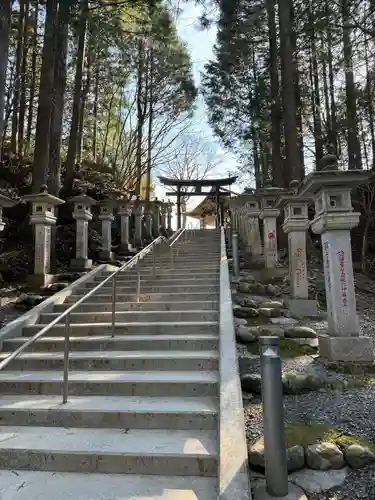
277	167
85	93
354	150
43	123
369	103
17	80
332	139
30	114
293	170
326	92
5	15
150	124
22	112
54	178
72	146
140	117
96	99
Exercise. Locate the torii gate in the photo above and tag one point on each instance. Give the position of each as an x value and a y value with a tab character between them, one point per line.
215	186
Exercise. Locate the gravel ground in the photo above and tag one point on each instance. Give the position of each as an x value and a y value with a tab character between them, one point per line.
352	412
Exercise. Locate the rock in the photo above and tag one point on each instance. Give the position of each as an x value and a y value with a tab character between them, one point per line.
273	290
313	481
246	278
56	287
273	304
269	312
243	287
251	382
272	330
253	287
245	335
283	321
245	312
239	321
324	456
295	383
296	458
358	456
245	302
300	332
28	301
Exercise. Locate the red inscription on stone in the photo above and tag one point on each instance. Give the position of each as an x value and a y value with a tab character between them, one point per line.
343	284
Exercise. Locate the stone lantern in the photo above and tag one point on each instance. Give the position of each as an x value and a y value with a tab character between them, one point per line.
124	211
5	202
252	212
156	217
334	218
42	218
137	208
296	224
148	217
107	218
163	214
268	196
82	214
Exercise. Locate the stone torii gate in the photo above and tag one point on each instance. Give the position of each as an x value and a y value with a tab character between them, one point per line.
216	190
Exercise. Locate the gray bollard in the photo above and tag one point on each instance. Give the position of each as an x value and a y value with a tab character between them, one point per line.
269	341
236	260
273	420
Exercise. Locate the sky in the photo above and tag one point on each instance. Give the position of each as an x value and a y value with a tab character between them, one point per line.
200	44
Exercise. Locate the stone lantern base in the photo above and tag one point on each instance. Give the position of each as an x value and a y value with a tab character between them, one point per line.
346	349
79	264
40	280
303	307
106	255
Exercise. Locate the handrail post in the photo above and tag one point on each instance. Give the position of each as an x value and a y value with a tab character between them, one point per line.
114	305
138	281
66	360
153	258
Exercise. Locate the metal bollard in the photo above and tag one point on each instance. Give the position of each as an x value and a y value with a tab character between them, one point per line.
269	341
236	260
273	421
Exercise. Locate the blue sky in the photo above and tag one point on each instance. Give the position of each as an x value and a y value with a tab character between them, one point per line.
200	44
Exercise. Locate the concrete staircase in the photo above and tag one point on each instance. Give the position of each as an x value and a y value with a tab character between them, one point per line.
141	421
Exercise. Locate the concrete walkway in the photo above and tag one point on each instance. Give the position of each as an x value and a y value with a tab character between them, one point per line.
142	417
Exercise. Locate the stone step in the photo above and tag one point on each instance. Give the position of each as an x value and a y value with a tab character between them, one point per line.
116	360
36	485
133	316
147	274
120	342
155	283
117	451
144	328
110	411
141	306
101	383
147	297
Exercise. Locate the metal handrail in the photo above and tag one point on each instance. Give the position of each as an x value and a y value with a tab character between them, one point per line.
66	314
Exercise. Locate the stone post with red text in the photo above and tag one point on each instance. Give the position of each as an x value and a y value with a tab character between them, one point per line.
334	218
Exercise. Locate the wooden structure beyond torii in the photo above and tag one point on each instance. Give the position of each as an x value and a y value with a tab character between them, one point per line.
214	184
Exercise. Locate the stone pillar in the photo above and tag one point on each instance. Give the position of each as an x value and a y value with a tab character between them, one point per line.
254	240
82	214
5	202
296	223
155	218
163	214
269	216
201	223
106	216
124	211
137	212
148	217
42	218
334	218
169	216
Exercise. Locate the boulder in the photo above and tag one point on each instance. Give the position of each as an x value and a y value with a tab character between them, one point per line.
245	335
27	301
295	458
300	332
245	312
269	312
253	287
273	304
324	456
284	321
251	382
358	456
239	321
247	302
272	330
273	290
295	383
